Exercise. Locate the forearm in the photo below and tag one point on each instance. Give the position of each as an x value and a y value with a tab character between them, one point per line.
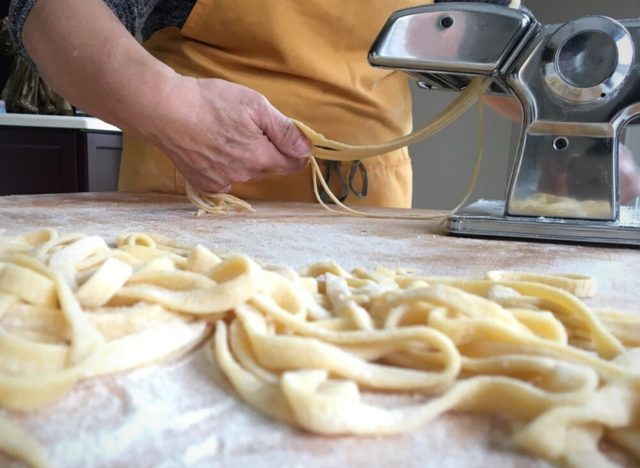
85	53
506	106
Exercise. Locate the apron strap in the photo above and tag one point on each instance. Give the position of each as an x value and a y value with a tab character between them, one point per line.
333	169
358	167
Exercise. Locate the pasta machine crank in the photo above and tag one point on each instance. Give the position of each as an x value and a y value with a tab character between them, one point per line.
578	84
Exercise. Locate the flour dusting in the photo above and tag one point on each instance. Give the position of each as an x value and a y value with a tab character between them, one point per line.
185	413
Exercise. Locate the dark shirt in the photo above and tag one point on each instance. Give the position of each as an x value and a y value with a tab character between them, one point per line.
142	17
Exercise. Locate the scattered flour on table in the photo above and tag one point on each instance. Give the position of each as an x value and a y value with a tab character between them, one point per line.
185	413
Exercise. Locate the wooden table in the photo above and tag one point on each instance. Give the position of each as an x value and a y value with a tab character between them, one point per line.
186	414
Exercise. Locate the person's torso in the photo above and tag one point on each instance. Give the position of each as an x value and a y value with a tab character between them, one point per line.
309	58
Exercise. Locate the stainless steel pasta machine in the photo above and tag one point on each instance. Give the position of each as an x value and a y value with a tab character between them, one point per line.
578	84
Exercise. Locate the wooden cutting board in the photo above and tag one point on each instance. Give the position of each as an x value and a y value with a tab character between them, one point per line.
185	413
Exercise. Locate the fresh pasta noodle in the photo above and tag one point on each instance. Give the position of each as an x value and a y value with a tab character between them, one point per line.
308	347
13	441
347	211
325	148
578	285
50	338
215	203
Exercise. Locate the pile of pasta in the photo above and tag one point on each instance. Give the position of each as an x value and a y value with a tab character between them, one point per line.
307	347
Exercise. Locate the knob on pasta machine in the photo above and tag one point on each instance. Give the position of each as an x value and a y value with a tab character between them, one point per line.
587	59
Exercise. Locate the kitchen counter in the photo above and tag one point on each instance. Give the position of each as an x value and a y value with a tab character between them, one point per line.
185	412
90	124
57	154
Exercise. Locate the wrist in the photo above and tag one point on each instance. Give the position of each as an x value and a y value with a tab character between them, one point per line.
147	107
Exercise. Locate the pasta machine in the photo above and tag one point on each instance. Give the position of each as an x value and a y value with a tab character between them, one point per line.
578	84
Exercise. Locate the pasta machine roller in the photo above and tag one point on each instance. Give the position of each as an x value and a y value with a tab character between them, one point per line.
578	84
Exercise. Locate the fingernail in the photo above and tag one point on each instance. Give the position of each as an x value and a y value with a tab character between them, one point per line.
302	147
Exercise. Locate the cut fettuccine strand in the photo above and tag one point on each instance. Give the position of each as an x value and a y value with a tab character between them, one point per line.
348	211
215	203
325	148
307	347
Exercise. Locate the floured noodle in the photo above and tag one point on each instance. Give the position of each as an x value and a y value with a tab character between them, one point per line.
305	347
325	148
215	203
578	285
348	211
13	441
48	343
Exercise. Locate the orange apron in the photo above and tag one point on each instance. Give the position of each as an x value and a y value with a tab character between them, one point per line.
309	58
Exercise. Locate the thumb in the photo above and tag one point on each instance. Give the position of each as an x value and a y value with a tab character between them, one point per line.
283	133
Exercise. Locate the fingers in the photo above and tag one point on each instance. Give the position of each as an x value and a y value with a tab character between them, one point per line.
230	134
209	181
629	175
269	158
506	106
281	131
219	177
296	165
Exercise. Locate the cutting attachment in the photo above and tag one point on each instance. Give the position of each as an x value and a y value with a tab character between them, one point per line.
578	85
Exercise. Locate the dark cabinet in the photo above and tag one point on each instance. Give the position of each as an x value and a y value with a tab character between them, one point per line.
37	161
99	162
53	160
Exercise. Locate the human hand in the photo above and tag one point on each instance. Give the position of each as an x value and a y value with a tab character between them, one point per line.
506	106
629	175
218	133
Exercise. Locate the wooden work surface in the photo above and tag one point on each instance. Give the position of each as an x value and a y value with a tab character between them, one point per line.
186	414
